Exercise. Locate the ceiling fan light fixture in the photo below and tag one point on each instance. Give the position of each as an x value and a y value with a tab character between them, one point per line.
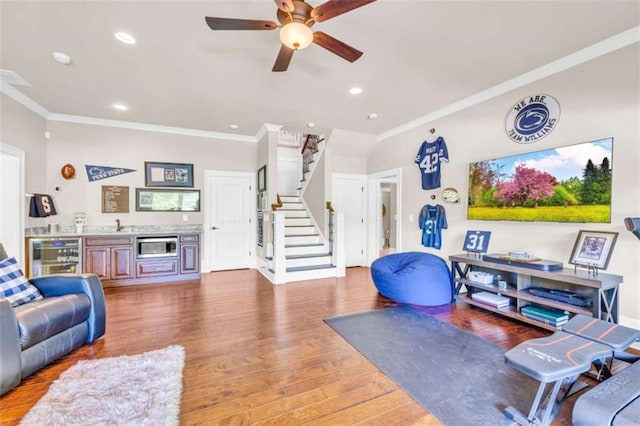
296	35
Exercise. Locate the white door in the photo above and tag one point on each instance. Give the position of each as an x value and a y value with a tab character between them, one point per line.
12	201
349	198
229	222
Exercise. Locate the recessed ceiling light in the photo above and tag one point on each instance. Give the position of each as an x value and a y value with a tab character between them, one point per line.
120	107
311	124
234	126
61	58
355	90
372	116
125	38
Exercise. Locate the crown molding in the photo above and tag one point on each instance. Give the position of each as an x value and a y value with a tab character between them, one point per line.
149	127
24	100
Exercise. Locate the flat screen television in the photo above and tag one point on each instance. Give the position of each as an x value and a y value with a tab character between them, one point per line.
565	184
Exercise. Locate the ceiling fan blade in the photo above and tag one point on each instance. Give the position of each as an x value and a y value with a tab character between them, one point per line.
285	5
333	8
283	59
239	24
336	46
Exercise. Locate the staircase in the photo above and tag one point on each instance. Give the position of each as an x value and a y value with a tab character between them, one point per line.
306	253
299	250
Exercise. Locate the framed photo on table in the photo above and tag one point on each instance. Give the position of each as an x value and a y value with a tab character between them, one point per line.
168	174
593	248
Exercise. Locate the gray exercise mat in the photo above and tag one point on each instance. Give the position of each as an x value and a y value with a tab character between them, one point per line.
458	377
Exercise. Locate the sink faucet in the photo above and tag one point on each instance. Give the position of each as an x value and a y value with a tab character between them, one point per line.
118	226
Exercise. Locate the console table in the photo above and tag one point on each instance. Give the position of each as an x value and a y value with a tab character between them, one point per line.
601	288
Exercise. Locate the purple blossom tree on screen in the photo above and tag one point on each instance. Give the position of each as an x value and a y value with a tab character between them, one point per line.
526	188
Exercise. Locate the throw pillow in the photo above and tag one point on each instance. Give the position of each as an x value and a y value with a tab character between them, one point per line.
14	286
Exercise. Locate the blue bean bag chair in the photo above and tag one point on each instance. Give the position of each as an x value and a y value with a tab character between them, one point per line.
416	278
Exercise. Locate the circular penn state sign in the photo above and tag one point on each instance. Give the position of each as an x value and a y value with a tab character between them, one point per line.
532	118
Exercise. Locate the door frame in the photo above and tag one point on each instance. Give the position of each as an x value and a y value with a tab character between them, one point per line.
364	181
375	201
19	199
206	261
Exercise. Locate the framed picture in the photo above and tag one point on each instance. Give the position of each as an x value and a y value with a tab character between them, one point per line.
593	248
262	178
168	174
167	200
260	236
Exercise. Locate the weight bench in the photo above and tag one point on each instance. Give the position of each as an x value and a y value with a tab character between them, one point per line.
615	402
558	360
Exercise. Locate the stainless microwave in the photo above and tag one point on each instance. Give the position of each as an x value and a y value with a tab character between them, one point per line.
157	247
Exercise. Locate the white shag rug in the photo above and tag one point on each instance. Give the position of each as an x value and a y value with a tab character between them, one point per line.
143	389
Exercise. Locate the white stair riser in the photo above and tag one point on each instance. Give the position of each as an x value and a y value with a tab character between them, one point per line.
304	250
309	261
290	221
295	213
299	230
312	274
289	199
302	239
292	206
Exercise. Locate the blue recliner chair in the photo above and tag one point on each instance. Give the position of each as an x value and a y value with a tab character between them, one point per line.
416	278
33	335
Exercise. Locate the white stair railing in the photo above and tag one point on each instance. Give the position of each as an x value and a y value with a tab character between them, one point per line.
336	225
279	255
311	152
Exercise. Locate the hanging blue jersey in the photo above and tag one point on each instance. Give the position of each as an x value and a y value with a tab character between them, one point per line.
429	157
432	221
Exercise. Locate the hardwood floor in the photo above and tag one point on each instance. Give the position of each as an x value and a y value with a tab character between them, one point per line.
261	354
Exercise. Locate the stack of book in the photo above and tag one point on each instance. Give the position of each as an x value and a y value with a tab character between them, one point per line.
548	316
491	299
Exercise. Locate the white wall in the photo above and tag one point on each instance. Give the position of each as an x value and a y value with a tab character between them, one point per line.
25	129
81	144
349	151
288	170
597	99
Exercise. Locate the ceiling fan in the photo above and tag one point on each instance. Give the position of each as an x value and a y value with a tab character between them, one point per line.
297	18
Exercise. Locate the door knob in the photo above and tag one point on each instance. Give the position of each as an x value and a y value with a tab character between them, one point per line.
214	227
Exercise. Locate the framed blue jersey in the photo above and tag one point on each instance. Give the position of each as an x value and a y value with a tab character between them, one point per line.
429	157
432	221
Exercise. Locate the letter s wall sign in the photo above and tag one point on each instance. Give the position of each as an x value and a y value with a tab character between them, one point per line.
532	118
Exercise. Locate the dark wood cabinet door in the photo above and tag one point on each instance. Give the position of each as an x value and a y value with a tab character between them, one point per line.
189	258
96	261
121	263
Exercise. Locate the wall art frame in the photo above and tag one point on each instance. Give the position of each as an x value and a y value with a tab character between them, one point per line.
167	200
157	174
593	249
262	178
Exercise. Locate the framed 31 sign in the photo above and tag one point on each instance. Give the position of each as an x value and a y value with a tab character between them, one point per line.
476	241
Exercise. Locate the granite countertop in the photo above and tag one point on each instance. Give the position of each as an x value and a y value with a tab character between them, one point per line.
70	231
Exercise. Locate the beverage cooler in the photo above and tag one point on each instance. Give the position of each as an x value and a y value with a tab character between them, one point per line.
54	256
